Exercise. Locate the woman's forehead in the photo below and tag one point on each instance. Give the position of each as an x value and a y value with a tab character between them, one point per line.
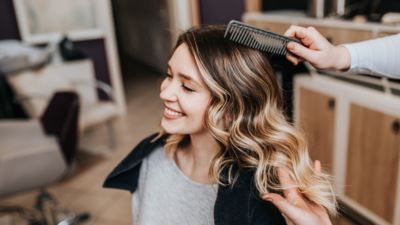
182	62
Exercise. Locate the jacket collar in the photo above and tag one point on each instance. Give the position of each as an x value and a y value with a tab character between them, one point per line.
237	204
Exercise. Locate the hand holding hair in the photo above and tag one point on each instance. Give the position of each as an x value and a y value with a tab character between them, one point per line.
297	208
320	53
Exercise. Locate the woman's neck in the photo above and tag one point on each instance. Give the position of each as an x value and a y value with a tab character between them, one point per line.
194	158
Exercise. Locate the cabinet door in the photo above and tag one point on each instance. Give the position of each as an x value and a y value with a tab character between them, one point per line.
317	119
373	160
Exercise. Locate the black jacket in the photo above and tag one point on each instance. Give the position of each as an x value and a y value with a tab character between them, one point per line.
239	204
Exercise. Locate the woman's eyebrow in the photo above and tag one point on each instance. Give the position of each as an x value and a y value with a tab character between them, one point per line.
189	78
186	77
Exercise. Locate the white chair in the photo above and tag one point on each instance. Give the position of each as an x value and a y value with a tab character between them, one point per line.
35	87
37	152
26	154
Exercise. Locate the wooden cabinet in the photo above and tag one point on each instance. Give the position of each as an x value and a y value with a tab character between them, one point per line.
253	5
336	31
372	160
336	36
384	34
339	36
317	119
355	132
343	221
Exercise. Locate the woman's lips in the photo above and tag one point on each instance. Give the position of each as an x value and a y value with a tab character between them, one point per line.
174	110
172	114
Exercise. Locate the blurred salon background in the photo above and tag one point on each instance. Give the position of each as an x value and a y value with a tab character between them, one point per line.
79	89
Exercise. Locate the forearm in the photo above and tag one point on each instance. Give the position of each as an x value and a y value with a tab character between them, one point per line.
379	57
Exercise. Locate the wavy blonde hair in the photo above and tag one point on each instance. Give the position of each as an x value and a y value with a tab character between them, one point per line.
255	135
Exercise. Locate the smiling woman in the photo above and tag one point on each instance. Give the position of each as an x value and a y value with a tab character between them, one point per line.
185	95
226	139
239	103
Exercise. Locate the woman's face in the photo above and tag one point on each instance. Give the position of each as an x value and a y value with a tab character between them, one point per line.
185	95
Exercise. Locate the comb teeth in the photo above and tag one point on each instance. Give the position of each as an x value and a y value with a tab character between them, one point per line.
260	39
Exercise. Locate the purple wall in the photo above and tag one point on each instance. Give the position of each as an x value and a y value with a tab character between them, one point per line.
95	49
8	21
214	12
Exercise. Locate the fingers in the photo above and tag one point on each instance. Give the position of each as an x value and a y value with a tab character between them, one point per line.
290	190
297	32
301	51
318	51
293	59
306	35
284	178
319	211
317	168
291	211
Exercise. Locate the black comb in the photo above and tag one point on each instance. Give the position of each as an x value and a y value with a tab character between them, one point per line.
258	38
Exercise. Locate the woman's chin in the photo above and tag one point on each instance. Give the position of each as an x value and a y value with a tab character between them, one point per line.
169	128
176	127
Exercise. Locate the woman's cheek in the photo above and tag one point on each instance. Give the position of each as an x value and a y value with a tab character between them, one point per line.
202	109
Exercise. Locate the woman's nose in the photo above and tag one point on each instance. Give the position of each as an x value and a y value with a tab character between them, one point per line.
168	91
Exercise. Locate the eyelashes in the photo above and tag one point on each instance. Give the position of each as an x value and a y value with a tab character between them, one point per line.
184	86
168	75
187	88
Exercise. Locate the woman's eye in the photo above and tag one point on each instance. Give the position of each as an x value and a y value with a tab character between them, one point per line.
187	88
168	75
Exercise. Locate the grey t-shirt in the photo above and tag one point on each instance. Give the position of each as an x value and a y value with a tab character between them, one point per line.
165	195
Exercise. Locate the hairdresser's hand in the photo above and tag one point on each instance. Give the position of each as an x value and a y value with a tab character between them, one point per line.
298	209
320	53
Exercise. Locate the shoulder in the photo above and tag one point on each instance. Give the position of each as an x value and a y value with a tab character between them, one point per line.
142	150
125	175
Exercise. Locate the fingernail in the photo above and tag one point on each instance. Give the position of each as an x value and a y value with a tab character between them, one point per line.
290	46
268	199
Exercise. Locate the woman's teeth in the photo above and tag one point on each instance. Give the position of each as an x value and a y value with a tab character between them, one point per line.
172	113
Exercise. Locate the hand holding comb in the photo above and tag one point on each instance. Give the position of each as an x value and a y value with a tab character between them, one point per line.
258	38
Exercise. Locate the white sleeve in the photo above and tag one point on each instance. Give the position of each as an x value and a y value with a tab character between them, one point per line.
379	57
